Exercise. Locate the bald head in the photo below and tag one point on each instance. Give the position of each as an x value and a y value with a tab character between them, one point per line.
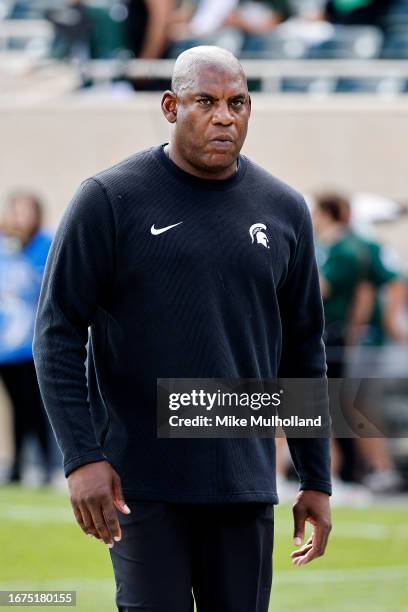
192	62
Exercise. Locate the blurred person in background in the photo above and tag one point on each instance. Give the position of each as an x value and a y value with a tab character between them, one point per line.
384	294
87	29
147	35
73	30
355	12
147	27
260	16
364	298
377	319
343	262
23	251
203	22
228	24
257	21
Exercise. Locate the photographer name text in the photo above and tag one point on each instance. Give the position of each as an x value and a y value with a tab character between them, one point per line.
253	421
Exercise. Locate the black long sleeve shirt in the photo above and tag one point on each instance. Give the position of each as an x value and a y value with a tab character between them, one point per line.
207	298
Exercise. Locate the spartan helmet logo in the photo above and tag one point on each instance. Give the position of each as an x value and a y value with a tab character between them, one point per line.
256	231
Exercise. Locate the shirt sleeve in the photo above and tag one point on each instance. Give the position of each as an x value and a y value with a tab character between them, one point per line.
303	353
77	280
384	265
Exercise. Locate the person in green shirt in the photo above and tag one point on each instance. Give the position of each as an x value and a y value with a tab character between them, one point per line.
364	291
385	293
383	297
364	295
344	263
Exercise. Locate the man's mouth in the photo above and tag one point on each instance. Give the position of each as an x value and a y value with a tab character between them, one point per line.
222	142
222	139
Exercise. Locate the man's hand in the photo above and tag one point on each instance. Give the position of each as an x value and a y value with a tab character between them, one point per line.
96	492
314	507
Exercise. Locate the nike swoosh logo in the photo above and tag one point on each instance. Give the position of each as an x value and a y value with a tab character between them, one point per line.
156	231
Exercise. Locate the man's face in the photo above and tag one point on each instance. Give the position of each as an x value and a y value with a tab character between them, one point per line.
212	118
24	217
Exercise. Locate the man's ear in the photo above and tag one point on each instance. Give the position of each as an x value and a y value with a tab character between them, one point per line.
250	103
169	106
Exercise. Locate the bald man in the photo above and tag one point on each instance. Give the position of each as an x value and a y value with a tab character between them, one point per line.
186	260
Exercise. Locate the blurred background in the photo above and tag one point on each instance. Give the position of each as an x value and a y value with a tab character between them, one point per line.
80	85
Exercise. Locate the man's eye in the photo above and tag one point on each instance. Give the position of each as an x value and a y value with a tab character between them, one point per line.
204	101
237	103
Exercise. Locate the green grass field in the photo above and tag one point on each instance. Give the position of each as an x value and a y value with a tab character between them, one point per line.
365	567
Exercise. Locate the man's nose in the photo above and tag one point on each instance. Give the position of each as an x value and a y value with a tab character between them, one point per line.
222	114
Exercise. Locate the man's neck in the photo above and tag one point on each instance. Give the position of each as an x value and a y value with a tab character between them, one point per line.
181	163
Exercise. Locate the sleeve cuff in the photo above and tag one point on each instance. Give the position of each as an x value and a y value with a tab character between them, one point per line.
316	485
90	457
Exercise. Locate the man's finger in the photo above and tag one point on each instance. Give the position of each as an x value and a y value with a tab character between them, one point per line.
307	557
299	517
118	496
100	524
89	526
111	520
78	516
301	552
305	547
313	552
320	536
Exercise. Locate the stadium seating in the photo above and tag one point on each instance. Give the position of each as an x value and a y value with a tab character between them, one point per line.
23	27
